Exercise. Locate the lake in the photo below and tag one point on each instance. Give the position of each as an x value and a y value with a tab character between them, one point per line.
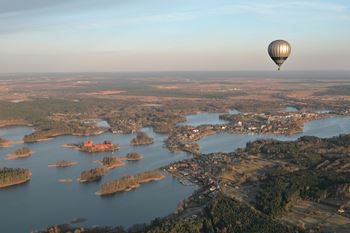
44	201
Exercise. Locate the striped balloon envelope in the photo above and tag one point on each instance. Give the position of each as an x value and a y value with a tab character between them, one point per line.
279	51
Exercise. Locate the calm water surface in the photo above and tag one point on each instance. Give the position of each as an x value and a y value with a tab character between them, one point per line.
44	201
229	142
204	118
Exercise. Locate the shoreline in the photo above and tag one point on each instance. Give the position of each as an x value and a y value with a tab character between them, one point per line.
9	143
14	156
17	183
132	187
115	165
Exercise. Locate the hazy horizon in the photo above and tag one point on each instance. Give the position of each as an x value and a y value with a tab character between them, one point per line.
179	35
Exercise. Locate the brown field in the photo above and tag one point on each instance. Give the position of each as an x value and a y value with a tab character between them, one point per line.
315	215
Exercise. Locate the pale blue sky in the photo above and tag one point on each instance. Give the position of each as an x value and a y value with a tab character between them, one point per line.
144	35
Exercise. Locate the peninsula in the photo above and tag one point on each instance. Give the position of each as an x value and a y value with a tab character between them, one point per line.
13	176
20	153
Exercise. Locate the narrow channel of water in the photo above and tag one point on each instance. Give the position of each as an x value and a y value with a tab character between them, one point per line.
226	142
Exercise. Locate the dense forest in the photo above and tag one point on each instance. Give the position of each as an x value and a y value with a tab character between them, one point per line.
110	161
12	176
282	188
221	215
307	151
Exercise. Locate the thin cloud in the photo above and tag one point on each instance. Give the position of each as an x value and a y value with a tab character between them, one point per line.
10	24
273	7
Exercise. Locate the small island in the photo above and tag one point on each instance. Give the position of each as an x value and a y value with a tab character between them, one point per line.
14	176
4	142
132	157
63	163
128	183
20	153
111	162
141	139
90	147
92	175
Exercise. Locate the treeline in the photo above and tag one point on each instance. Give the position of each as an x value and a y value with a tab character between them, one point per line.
12	176
110	161
94	174
133	156
23	151
282	188
129	182
222	215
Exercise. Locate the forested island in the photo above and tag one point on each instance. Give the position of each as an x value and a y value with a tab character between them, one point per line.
13	176
63	163
92	175
141	139
23	152
133	157
4	142
111	162
128	183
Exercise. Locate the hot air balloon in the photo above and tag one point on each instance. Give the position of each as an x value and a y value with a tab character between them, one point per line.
279	51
